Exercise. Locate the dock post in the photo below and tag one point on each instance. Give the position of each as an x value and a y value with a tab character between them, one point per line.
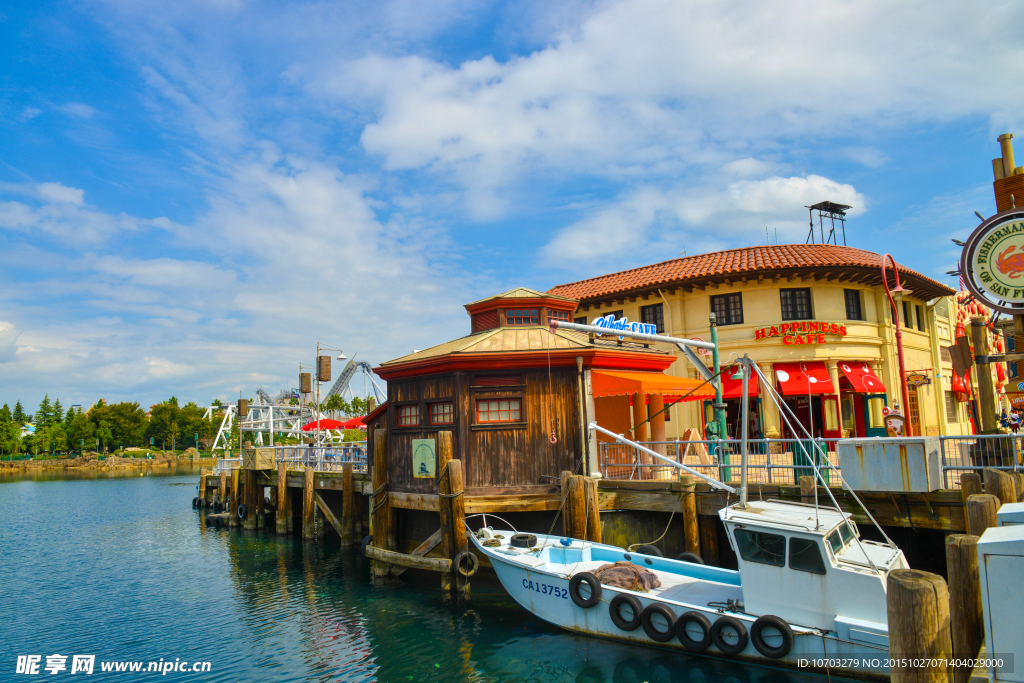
690	525
444	456
1001	485
970	485
250	500
202	485
284	507
261	506
709	540
981	513
967	626
567	529
233	507
452	505
308	505
222	492
1018	481
807	486
577	507
380	500
593	511
918	609
347	503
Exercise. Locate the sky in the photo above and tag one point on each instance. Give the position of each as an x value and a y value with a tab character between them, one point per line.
194	194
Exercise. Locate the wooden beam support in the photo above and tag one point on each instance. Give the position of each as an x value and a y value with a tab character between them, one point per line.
284	507
308	520
328	515
388	557
348	505
381	501
451	494
422	550
250	500
234	501
593	511
691	527
967	626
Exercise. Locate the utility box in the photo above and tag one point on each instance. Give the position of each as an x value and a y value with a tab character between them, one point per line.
1001	566
893	464
258	459
1010	514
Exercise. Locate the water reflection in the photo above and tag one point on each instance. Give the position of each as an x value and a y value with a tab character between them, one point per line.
123	568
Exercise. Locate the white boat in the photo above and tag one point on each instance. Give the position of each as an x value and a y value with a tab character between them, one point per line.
809	592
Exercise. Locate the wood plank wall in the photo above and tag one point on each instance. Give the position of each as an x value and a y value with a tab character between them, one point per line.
492	455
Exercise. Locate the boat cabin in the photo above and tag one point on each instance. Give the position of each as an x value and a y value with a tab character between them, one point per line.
808	566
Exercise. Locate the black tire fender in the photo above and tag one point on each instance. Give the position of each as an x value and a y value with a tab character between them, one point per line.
615	612
243	511
721	643
592	583
461	559
690	557
366	541
653	633
200	503
522	541
194	500
780	625
701	620
650	550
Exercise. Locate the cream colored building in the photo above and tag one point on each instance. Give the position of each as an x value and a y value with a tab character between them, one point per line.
773	302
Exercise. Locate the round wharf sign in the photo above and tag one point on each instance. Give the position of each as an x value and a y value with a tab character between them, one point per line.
993	262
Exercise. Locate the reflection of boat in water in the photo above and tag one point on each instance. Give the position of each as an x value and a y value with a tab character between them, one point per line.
807	588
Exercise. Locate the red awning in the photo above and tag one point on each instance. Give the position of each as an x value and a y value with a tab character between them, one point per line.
733	388
863	379
800	379
324	424
623	383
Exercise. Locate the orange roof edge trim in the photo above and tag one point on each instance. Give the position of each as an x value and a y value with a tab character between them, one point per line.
624	383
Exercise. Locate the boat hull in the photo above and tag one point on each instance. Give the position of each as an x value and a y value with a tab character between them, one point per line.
546	595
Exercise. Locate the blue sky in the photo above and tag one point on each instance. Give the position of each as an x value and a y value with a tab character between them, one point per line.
192	194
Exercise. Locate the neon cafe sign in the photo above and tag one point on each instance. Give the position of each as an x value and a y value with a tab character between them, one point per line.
623	323
801	332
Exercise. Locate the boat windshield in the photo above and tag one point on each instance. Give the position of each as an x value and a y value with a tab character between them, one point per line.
839	538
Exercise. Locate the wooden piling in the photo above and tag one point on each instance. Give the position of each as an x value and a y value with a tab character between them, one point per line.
380	502
308	505
444	456
807	486
967	627
250	500
593	510
578	507
347	503
452	491
691	527
233	506
261	506
284	507
918	609
709	540
981	513
1001	485
1018	481
567	529
970	485
222	492
202	484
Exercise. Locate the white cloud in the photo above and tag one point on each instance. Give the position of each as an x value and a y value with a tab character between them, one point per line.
77	110
8	341
29	113
648	219
60	194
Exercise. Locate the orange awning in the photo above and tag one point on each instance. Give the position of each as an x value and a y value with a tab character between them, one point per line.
623	383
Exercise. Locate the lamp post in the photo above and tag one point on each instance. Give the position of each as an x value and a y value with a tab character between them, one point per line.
719	407
341	356
899	333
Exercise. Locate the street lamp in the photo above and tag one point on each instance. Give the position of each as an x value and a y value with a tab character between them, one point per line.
341	356
899	333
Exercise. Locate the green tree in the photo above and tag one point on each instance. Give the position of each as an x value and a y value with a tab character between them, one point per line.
69	417
44	416
58	412
163	421
9	432
81	430
19	414
104	434
191	422
127	422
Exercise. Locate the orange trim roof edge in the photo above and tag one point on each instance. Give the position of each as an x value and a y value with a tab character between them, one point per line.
592	358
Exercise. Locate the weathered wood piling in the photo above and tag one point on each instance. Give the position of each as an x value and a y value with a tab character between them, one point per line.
967	629
918	612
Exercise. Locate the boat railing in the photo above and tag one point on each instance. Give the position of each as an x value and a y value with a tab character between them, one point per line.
784	461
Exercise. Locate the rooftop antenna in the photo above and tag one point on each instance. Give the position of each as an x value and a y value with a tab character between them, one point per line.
776	237
832	212
767	239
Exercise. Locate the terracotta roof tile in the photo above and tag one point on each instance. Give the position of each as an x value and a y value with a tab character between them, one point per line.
743	261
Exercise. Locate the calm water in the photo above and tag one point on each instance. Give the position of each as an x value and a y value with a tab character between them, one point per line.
124	569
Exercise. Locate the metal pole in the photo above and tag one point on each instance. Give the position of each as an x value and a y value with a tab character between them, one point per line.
745	416
719	402
899	337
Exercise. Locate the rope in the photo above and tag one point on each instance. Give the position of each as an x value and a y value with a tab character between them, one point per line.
637	545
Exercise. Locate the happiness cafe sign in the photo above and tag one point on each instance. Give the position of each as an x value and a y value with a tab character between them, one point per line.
801	332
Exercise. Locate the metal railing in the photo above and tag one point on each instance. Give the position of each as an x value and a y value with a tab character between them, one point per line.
784	461
226	465
324	458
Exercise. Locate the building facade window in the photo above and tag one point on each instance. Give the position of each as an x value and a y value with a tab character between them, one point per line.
442	413
906	316
522	316
558	315
408	416
728	309
489	411
653	315
615	314
853	307
920	318
581	320
952	412
796	303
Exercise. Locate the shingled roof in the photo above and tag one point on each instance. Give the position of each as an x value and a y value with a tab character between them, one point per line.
826	260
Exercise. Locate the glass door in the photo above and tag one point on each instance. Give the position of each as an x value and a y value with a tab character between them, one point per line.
874	420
